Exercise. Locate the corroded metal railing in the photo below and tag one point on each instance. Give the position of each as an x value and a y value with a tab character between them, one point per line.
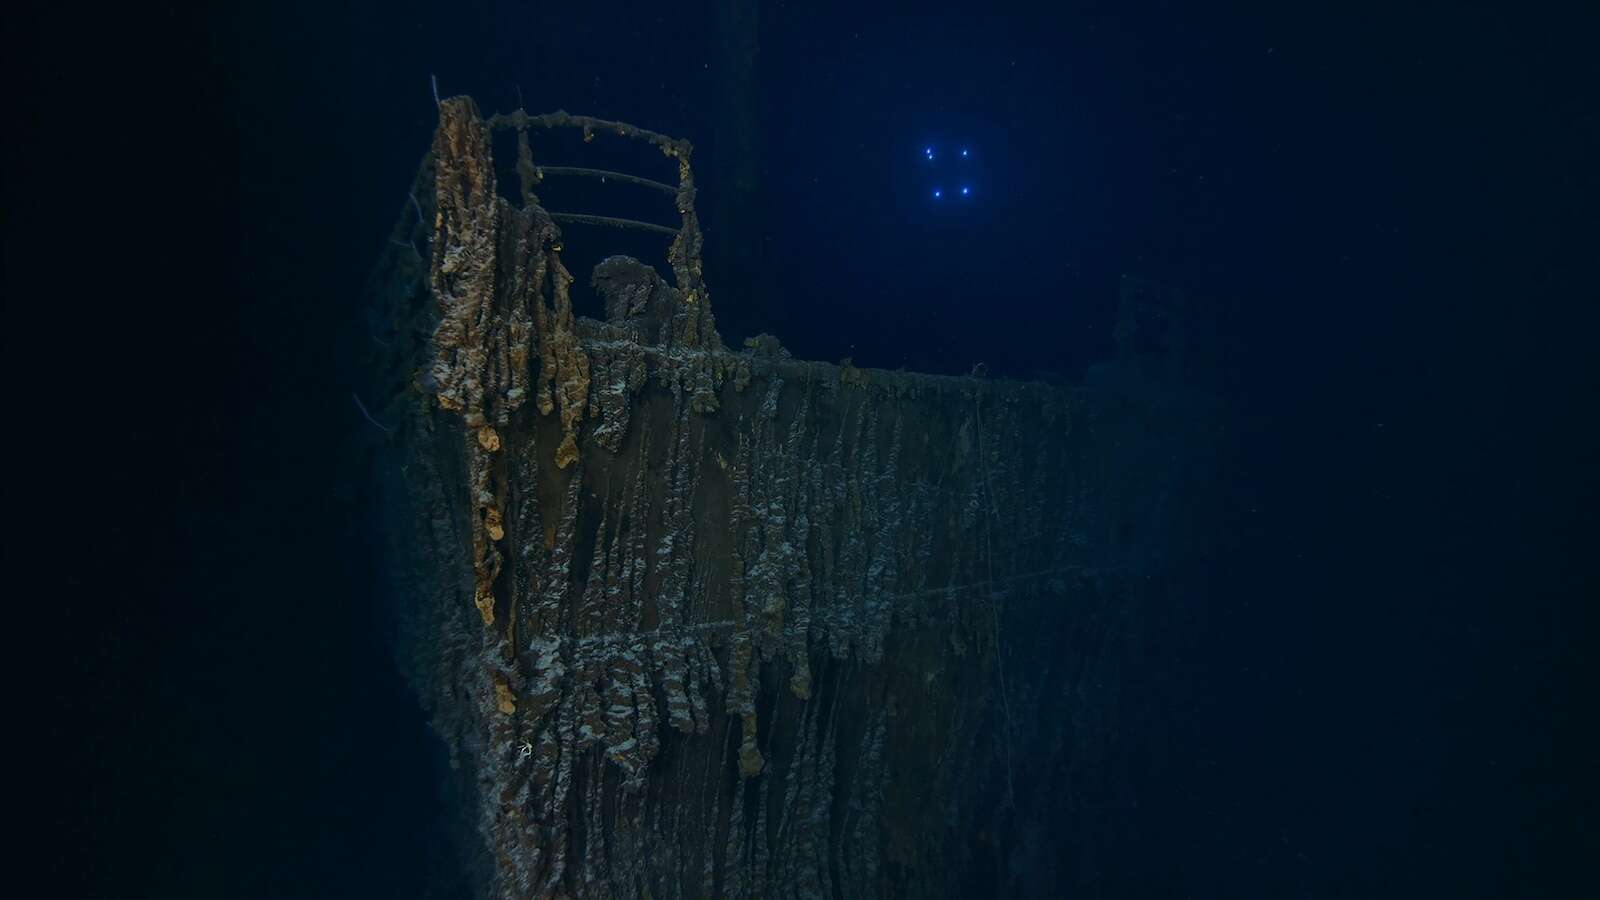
684	256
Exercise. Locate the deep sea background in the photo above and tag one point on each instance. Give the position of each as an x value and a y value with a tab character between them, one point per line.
1389	208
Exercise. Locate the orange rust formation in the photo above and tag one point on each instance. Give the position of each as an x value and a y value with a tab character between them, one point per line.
738	616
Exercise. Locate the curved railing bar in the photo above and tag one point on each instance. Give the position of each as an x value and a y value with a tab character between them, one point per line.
613	222
604	175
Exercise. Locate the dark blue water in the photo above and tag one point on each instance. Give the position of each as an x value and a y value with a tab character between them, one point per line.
1387	213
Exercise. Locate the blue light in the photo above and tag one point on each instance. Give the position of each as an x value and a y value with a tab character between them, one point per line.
965	191
937	193
927	152
963	153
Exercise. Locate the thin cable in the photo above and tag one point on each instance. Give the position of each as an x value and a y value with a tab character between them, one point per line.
386	429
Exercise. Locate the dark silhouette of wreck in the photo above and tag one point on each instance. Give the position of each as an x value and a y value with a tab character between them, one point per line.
698	622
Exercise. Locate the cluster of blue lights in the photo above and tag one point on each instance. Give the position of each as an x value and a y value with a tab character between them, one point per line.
931	154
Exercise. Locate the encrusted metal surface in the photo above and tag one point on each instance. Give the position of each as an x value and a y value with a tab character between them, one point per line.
696	622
